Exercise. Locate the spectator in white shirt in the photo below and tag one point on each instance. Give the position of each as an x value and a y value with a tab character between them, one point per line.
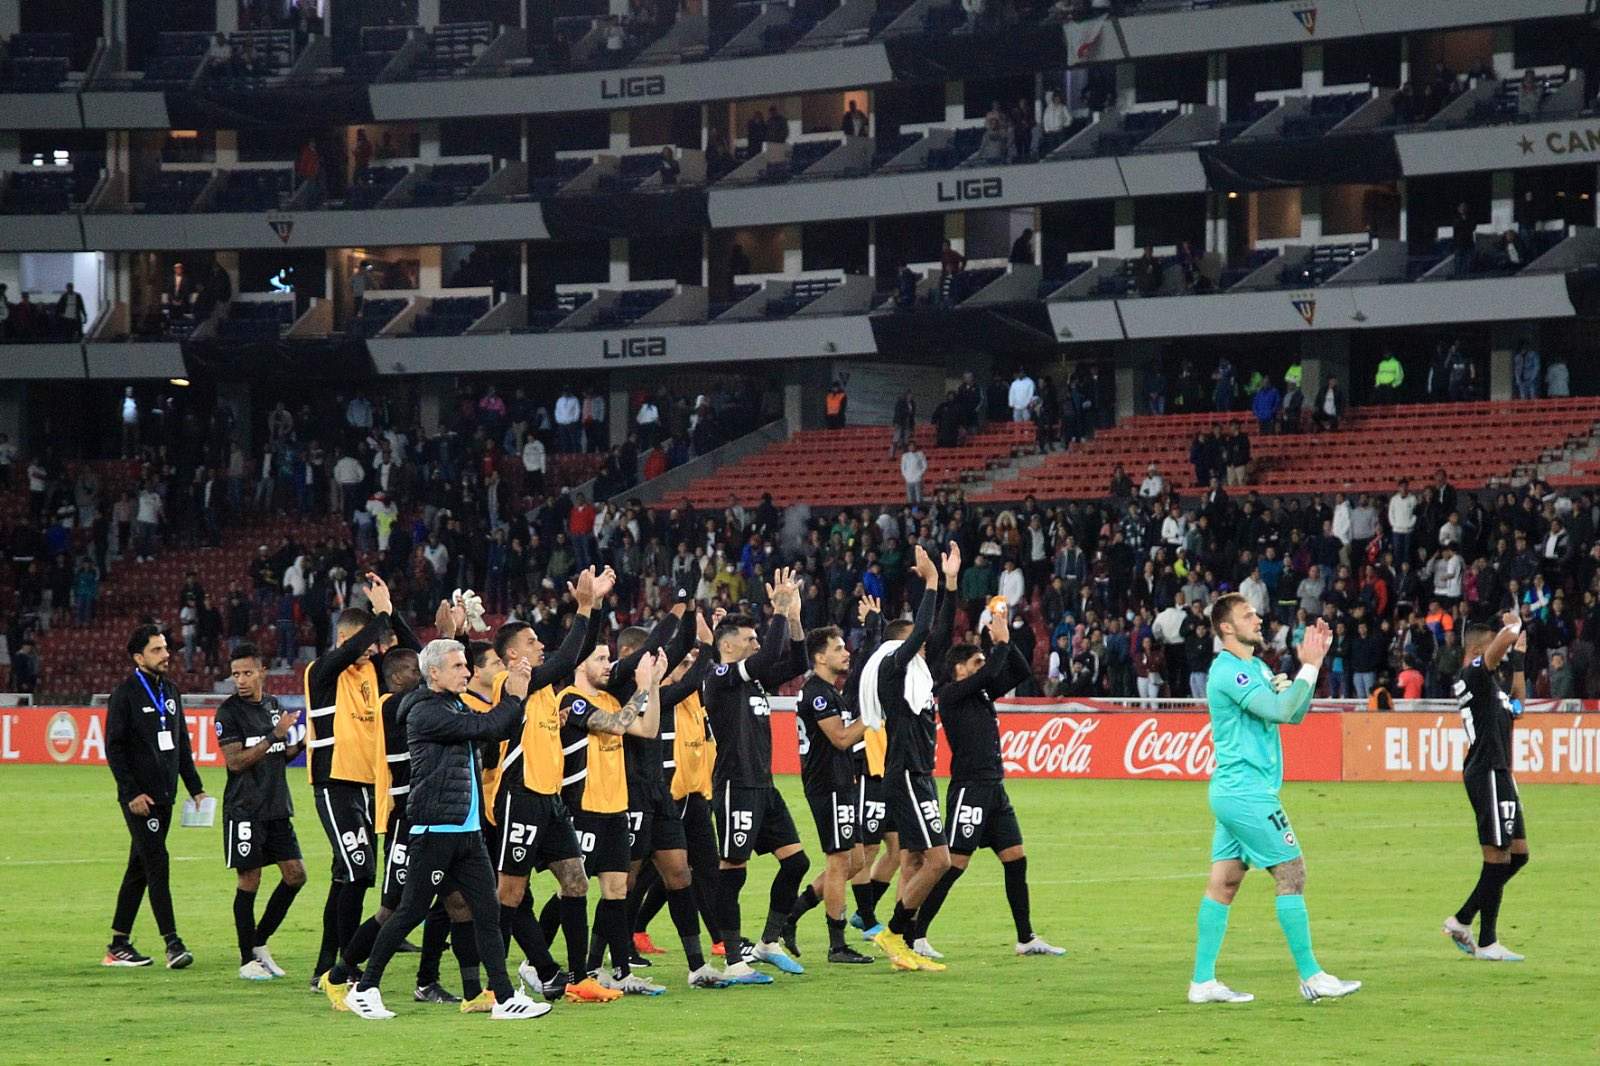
1012	586
533	465
358	412
913	465
1403	520
1450	532
1174	529
1153	484
569	413
130	422
1254	591
1341	519
1055	115
1020	396
1447	575
649	421
146	522
438	556
348	474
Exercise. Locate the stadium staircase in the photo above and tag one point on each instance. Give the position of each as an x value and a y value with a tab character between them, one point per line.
851	466
1479	444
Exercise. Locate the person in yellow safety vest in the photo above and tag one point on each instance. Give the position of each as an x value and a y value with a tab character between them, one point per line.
1292	376
1391	375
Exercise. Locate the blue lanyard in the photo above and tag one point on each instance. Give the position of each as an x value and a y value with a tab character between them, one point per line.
155	696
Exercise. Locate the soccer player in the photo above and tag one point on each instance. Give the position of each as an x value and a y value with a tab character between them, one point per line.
659	833
1487	713
595	785
828	732
978	811
447	851
147	750
897	687
533	827
342	721
874	826
258	738
750	812
1247	706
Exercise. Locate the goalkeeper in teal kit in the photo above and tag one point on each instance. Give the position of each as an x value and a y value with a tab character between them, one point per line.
1247	705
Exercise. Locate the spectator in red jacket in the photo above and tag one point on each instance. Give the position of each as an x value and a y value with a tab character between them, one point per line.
580	527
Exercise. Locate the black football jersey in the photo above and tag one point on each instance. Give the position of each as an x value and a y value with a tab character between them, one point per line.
740	713
823	767
261	792
1486	716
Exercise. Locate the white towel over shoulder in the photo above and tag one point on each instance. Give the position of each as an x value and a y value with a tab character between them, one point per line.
918	685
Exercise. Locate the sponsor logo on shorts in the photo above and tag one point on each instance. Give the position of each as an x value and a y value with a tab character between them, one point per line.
872	825
400	876
740	839
438	875
519	853
154	825
358	857
243	847
1288	838
966	830
847	831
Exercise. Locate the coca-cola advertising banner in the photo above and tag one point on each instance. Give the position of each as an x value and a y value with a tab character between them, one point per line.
77	735
1083	738
1557	748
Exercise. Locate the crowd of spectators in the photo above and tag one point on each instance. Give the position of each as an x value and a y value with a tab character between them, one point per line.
61	319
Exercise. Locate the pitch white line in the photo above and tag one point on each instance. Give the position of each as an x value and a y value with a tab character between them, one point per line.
87	862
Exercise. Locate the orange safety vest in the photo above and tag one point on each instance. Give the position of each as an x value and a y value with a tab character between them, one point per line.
835	402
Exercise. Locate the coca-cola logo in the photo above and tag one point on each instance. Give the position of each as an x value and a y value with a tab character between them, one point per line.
1057	746
1171	752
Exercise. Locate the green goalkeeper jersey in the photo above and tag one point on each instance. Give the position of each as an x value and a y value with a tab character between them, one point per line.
1245	714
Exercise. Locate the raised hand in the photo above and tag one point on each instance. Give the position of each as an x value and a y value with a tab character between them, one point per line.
951	563
702	631
648	673
924	566
582	590
604	582
442	620
1314	645
517	681
378	594
999	631
717	616
867	606
1510	618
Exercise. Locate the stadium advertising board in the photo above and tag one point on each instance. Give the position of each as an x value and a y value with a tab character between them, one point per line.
1554	748
76	736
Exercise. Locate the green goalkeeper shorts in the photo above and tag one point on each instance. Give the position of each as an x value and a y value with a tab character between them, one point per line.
1253	829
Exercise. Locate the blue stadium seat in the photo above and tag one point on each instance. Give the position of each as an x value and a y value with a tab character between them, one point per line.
376	312
373	185
174	191
449	183
450	316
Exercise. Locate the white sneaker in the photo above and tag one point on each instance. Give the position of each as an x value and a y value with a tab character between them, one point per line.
1496	952
264	957
519	1008
631	985
1324	985
368	1004
774	955
254	971
707	976
1038	946
1461	934
530	977
926	950
1214	991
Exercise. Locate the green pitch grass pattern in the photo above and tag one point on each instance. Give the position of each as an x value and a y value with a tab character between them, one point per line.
1116	868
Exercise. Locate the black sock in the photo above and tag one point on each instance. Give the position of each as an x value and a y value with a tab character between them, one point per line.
655	897
119	940
835	934
647	879
352	898
244	923
573	919
1017	895
356	952
879	890
686	920
780	898
930	906
435	932
730	883
518	924
551	919
1488	874
620	938
903	920
277	906
1491	887
705	900
607	914
328	951
464	942
804	902
172	938
866	901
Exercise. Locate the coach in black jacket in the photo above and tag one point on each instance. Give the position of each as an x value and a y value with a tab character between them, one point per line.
444	809
147	748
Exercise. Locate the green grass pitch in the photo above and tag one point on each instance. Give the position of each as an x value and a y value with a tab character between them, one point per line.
1116	869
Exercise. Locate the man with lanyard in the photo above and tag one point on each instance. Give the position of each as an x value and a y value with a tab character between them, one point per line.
257	739
447	851
147	749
